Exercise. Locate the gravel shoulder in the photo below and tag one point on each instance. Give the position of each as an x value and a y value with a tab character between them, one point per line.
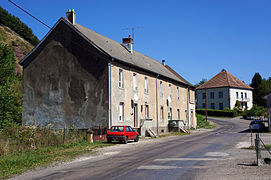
240	164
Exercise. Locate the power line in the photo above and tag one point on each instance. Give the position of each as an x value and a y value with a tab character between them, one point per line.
29	14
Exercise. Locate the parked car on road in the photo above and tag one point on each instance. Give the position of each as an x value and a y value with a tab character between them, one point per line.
257	125
122	134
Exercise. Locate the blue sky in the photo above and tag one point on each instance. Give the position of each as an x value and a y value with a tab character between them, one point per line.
198	38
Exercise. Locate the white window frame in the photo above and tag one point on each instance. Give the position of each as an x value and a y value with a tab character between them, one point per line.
178	114
178	93
134	81
169	90
162	114
121	78
146	90
161	89
121	112
147	111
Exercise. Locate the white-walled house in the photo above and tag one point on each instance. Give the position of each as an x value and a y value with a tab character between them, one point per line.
223	90
268	98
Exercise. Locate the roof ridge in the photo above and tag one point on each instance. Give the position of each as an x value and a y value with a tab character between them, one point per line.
224	79
114	41
206	82
227	78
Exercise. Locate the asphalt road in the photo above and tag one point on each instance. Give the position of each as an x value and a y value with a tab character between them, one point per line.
181	157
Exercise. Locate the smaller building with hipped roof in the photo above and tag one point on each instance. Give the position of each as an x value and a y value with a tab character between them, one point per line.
223	91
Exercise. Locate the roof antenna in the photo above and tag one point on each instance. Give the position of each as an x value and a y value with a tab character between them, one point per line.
132	29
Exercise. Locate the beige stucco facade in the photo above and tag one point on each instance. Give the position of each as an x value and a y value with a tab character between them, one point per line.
149	108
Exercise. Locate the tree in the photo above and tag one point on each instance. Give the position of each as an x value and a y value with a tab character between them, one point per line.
18	26
203	80
256	82
238	107
10	97
7	65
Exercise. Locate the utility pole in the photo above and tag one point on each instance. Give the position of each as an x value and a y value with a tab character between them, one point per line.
205	104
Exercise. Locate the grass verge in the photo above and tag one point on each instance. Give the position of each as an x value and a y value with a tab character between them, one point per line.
202	123
173	134
19	162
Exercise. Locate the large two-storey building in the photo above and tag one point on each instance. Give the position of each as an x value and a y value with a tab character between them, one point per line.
78	78
222	91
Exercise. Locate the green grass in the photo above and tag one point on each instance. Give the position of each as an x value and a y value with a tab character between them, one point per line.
17	163
173	134
202	123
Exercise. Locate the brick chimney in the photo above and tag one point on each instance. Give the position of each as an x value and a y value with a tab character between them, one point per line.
128	43
71	16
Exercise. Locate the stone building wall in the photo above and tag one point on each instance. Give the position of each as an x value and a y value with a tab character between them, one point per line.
65	85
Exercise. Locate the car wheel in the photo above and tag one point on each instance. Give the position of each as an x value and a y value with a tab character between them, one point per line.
136	139
125	140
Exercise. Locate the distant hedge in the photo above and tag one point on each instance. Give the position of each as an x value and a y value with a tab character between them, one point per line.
213	112
18	26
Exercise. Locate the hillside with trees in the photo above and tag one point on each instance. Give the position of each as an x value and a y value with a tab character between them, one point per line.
16	41
15	24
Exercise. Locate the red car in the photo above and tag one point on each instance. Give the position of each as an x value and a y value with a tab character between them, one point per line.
122	134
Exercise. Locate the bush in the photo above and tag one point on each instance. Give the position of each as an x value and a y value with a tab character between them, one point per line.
214	112
202	123
10	89
255	111
25	138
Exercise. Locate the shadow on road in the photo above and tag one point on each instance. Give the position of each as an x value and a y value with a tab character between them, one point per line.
247	164
254	131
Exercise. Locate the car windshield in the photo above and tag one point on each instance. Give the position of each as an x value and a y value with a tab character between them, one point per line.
255	122
116	129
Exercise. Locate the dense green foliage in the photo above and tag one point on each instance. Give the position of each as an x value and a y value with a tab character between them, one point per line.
255	111
261	88
18	26
214	112
10	94
202	123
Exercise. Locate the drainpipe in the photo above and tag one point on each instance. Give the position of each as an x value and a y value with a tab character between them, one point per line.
110	97
188	110
157	106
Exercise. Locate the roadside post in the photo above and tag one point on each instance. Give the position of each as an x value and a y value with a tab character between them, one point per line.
258	149
206	104
89	136
251	137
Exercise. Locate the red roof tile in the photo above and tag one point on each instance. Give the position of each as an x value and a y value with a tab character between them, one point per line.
224	79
